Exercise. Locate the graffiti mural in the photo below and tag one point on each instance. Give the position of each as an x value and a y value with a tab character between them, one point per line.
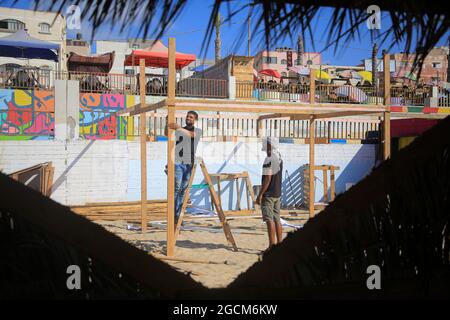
26	114
98	119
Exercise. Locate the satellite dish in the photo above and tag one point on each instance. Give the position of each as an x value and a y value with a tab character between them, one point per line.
309	62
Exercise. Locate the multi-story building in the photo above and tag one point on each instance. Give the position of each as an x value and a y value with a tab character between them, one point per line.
78	46
278	60
43	25
434	68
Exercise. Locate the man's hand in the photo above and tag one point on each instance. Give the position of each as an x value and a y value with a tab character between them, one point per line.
174	126
258	199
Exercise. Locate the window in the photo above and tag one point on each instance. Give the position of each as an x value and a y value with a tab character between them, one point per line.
436	65
11	25
129	71
270	60
44	28
135	46
283	61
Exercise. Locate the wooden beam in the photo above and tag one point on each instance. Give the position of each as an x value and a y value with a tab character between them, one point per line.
332	183
171	151
143	147
387	135
287	110
271	116
325	185
311	167
312	85
341	114
387	79
138	108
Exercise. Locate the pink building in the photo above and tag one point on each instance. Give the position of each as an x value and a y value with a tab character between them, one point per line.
278	60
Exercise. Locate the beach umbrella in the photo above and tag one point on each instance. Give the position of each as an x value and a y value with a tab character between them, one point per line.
366	75
353	93
270	73
322	75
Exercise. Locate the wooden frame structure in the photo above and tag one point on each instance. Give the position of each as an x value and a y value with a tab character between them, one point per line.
324	169
296	111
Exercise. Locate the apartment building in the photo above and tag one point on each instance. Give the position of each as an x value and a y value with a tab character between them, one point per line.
434	68
47	26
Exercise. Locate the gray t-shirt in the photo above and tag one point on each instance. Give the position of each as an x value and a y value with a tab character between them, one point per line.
185	146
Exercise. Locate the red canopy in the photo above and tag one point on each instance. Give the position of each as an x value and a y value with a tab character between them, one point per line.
271	73
158	56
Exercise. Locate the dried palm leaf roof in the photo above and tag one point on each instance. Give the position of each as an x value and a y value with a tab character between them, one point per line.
420	22
40	239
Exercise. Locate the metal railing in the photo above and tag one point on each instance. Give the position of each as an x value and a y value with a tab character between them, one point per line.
26	78
326	93
272	91
408	96
443	97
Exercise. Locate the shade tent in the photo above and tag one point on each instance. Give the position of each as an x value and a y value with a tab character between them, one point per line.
22	45
157	56
92	63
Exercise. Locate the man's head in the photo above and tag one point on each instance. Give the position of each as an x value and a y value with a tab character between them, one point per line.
270	144
191	118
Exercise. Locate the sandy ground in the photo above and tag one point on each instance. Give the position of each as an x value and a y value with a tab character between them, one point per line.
207	243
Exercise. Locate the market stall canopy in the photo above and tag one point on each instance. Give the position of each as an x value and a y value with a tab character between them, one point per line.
270	73
93	63
366	75
22	46
157	56
320	74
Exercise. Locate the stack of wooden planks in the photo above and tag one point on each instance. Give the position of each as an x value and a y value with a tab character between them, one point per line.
128	211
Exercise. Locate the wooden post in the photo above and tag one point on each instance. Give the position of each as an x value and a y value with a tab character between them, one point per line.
311	166
325	185
386	135
312	86
171	151
143	146
387	79
332	184
238	191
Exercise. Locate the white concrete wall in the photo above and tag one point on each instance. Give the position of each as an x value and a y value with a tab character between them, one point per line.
106	171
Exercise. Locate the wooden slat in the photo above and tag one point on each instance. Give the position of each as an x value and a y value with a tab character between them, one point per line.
143	147
311	167
220	213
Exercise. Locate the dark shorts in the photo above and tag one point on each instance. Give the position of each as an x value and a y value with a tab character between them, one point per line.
270	208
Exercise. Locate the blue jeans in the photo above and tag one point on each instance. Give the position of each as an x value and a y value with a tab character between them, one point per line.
182	176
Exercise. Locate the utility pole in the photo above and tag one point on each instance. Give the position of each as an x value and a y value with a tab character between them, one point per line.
374	69
448	62
300	50
218	40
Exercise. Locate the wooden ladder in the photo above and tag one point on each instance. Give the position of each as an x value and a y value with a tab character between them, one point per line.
215	199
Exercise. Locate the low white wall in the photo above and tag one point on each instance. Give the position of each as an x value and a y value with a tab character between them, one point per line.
105	171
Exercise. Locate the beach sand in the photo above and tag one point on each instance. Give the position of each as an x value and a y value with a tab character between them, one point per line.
206	242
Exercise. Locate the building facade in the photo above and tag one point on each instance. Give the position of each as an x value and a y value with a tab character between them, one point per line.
278	60
434	68
78	46
46	26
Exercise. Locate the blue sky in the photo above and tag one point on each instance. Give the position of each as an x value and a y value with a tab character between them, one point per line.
189	30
